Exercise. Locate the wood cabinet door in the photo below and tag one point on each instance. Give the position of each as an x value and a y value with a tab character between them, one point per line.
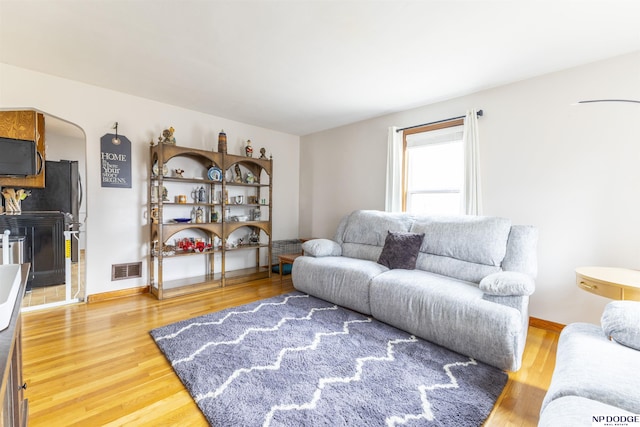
28	125
18	124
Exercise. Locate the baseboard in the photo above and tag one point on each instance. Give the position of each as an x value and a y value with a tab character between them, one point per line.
117	294
546	324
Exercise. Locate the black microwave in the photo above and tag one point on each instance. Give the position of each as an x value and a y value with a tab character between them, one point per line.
18	157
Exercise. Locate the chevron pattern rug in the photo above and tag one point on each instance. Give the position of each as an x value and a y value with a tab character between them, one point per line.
295	360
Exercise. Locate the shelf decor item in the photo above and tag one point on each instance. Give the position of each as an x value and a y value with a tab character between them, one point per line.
155	169
13	199
199	195
181	220
238	172
222	142
214	174
167	137
248	149
199	215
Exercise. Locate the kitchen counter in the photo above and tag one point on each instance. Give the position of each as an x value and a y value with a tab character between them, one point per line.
9	339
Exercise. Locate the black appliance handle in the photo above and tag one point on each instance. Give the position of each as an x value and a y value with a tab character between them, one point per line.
81	195
41	162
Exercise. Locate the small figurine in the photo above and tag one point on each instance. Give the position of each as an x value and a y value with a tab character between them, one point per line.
263	153
199	215
179	173
250	178
248	149
168	136
238	174
254	238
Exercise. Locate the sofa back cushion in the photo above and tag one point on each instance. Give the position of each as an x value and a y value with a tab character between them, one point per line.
465	247
481	240
364	232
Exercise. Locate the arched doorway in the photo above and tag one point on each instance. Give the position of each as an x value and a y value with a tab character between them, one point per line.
60	205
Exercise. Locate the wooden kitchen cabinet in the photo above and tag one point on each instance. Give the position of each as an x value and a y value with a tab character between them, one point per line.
27	125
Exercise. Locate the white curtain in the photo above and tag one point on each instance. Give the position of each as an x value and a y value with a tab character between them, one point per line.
393	199
472	194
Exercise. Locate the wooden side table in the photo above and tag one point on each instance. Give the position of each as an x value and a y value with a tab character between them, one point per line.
286	259
610	282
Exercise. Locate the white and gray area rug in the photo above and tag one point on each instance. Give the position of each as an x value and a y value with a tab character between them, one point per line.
295	360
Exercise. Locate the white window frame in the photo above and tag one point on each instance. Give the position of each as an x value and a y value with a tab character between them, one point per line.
451	131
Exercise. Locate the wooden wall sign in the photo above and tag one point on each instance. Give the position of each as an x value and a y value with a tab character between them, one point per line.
115	161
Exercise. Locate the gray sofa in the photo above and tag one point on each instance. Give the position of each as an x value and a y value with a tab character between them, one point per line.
469	290
597	372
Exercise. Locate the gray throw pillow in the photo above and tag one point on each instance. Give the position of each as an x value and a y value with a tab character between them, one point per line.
401	250
621	322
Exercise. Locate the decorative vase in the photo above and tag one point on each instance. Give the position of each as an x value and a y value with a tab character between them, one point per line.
222	142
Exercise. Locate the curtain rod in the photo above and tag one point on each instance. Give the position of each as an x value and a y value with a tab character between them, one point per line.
479	113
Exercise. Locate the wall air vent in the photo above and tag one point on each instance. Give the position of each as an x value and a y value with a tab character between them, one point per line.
126	271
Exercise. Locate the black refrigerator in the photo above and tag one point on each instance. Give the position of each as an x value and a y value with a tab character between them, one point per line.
63	193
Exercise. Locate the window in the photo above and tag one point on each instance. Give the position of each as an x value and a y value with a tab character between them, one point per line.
433	175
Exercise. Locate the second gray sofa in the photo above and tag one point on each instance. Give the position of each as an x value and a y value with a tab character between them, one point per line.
469	290
596	380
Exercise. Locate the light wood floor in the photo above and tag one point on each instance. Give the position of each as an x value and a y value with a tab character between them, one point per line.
57	293
96	364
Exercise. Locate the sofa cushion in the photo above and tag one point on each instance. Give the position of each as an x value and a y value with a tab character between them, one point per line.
621	322
340	280
448	312
360	251
371	227
401	250
480	240
321	247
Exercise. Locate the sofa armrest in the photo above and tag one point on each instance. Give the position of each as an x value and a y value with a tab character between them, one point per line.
321	248
507	283
621	322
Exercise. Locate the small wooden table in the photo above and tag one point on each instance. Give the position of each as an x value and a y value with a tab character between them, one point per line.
286	259
610	282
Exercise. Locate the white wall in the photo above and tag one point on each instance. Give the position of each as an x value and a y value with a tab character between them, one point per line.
116	222
573	171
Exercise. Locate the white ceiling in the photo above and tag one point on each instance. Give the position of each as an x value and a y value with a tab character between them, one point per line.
308	65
